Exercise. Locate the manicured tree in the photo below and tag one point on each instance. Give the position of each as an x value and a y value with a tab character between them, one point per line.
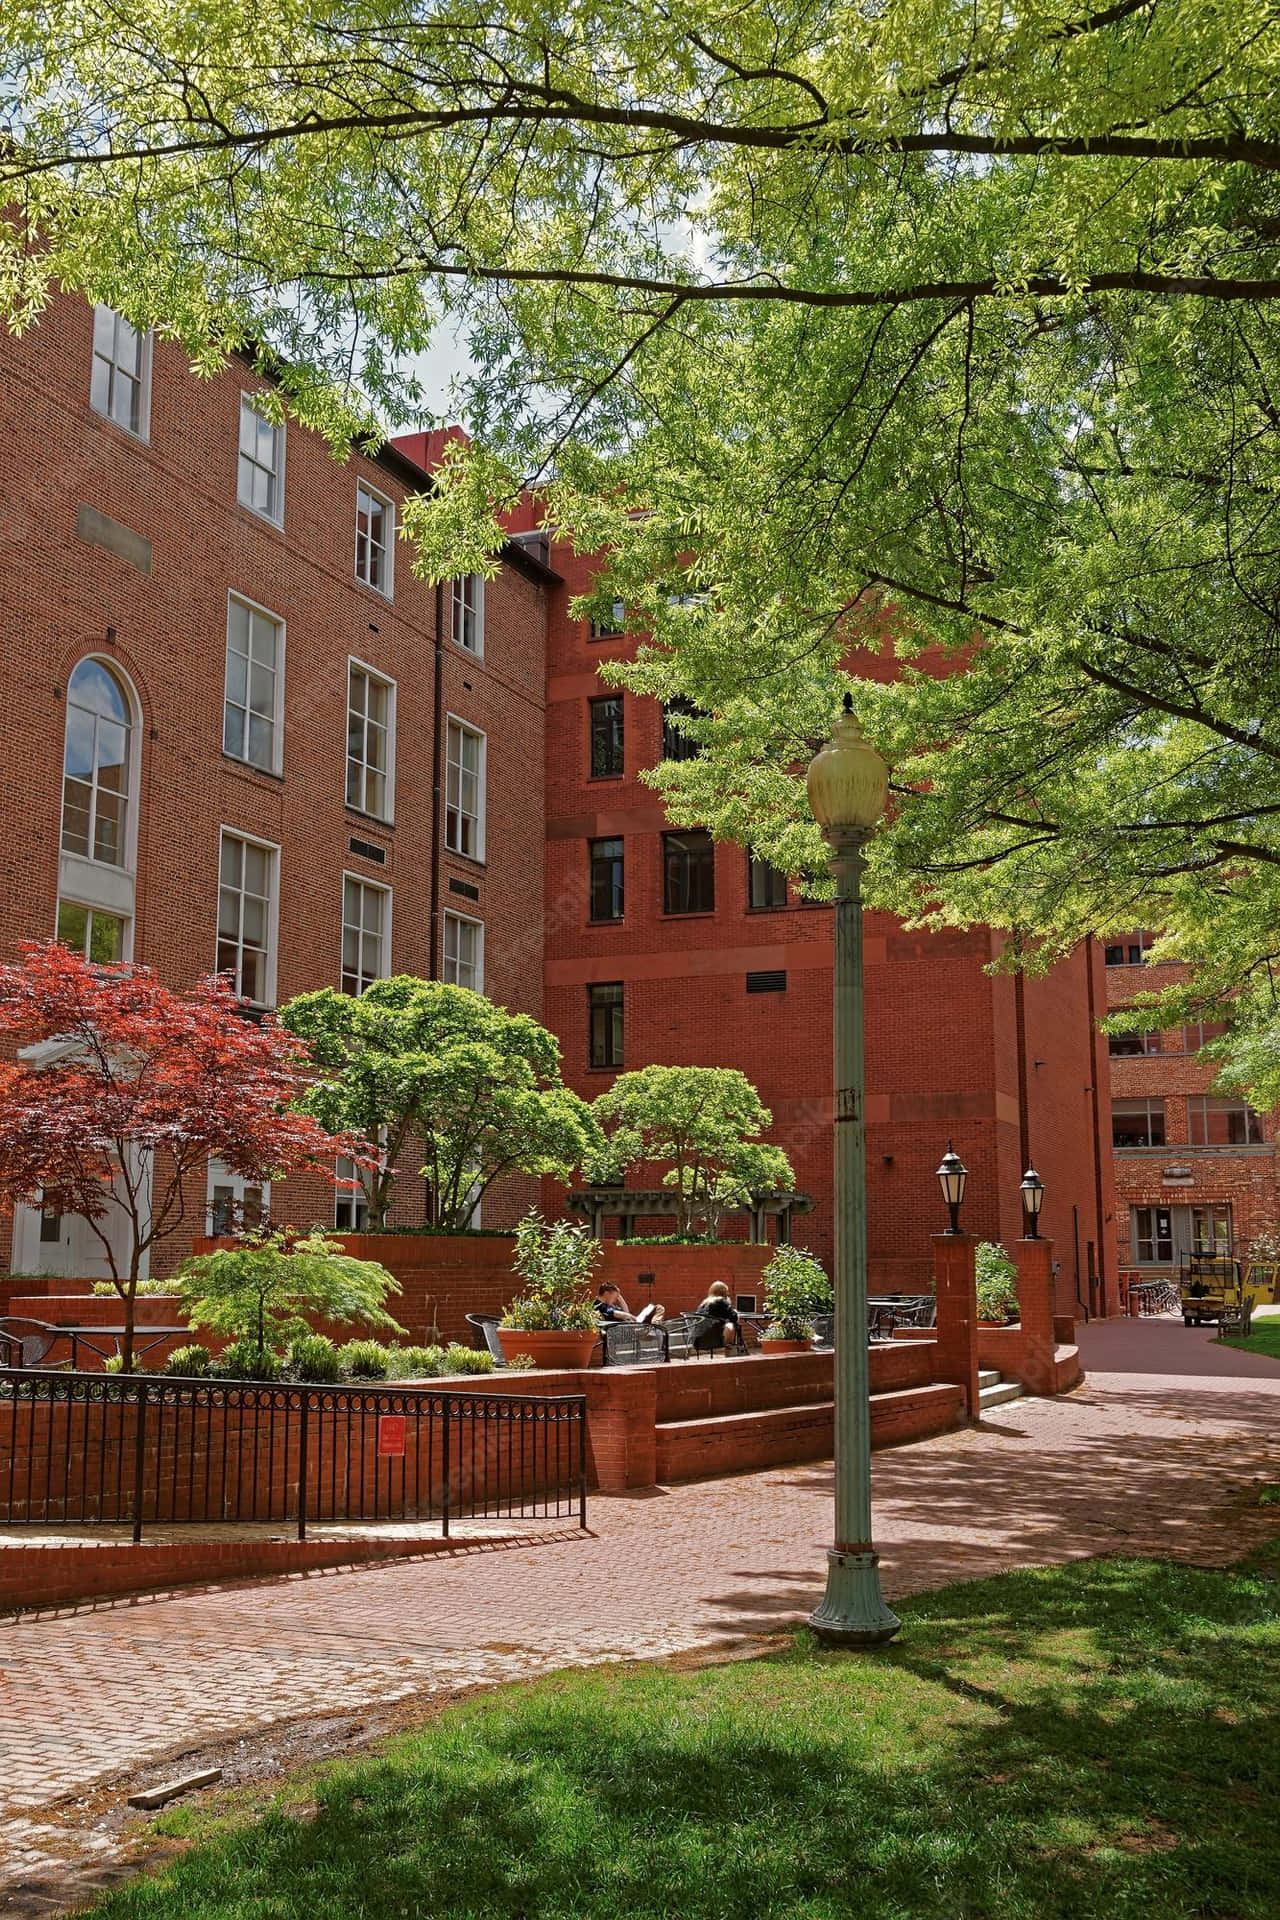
703	1121
124	1089
422	1060
263	1292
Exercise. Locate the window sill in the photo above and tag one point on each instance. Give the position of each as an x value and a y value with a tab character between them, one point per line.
467	653
247	767
369	819
603	779
688	913
138	439
615	920
261	519
380	594
472	859
618	1069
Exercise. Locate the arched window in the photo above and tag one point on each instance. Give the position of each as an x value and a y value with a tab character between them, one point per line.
95	767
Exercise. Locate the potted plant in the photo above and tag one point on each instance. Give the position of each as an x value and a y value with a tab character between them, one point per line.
552	1320
795	1288
997	1285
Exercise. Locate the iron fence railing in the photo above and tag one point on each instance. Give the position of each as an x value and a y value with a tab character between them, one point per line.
83	1449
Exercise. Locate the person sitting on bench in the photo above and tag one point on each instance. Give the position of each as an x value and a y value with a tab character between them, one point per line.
610	1305
715	1321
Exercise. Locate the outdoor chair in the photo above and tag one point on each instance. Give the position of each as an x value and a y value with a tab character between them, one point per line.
677	1335
24	1343
1233	1321
627	1343
824	1330
488	1324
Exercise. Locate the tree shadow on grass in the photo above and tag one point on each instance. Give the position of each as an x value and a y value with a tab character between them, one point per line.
1101	1737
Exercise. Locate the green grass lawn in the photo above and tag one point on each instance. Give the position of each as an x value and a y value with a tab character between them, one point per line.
1263	1338
1097	1740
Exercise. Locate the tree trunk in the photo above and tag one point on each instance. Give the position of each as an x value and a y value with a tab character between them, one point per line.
128	1297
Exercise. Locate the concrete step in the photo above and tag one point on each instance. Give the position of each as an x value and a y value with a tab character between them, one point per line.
989	1377
777	1436
995	1396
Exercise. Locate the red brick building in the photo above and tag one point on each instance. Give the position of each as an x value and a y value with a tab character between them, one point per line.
1195	1171
239	733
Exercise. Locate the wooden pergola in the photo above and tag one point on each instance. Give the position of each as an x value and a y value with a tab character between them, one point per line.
629	1204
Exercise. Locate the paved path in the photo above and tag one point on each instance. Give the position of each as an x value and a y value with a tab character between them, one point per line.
1157	1454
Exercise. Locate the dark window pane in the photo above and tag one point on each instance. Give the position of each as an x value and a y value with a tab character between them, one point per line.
606	738
766	887
675	744
605	858
604	1002
689	874
1137	1123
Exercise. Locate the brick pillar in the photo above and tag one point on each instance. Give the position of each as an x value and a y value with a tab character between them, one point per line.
1034	1261
955	1286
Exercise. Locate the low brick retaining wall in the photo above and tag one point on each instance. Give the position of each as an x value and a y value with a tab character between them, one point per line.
1039	1365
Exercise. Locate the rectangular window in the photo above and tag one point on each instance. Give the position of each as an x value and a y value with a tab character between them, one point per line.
246	917
468	612
463	952
260	475
1222	1123
98	936
1120	1045
255	680
688	872
605	857
371	714
1137	1123
375	530
606	737
676	745
1193	1038
766	887
120	381
604	1003
1152	1235
1128	952
234	1203
366	928
464	790
350	1207
1211	1230
611	625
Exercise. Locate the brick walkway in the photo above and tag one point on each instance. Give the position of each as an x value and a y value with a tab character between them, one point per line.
1155	1455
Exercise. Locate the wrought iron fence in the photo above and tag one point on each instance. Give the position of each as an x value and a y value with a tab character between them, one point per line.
82	1449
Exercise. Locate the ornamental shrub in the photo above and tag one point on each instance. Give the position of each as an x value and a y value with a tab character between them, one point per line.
246	1360
415	1363
460	1359
520	1363
555	1263
192	1361
997	1282
314	1357
795	1288
364	1360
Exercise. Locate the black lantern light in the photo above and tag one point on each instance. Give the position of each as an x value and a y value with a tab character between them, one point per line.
1032	1200
952	1175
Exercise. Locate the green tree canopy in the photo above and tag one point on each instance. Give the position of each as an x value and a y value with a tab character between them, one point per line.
913	322
268	1290
704	1124
422	1061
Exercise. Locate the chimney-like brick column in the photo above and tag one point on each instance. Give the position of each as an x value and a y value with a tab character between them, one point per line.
956	1288
1034	1261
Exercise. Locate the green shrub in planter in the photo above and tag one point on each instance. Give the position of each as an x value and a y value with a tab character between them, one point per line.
246	1360
114	1363
192	1361
364	1360
795	1288
415	1363
520	1363
314	1357
460	1359
555	1264
997	1282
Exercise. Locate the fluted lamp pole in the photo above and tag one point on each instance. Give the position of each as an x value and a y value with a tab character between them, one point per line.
848	787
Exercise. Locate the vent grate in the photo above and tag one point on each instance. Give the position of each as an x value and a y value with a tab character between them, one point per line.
367	850
465	888
767	982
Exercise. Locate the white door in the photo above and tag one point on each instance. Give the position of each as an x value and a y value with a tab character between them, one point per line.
47	1241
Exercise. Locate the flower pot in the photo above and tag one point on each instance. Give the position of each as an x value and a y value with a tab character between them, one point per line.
785	1346
550	1347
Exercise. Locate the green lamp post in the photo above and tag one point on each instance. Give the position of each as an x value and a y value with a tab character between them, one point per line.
848	786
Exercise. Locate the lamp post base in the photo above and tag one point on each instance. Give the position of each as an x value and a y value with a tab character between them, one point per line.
852	1612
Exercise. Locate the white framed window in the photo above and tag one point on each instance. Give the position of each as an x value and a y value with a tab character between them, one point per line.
464	790
120	379
366	933
463	961
233	1203
252	708
375	534
100	936
97	766
468	613
350	1206
247	879
371	740
260	473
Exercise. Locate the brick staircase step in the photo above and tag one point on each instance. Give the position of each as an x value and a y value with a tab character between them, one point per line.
995	1396
776	1436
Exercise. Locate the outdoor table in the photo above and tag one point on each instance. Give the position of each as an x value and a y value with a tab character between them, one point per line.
144	1338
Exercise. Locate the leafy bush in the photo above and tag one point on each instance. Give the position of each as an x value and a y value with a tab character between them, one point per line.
460	1359
114	1363
193	1361
415	1363
364	1360
313	1356
246	1360
795	1288
555	1263
143	1289
997	1282
522	1363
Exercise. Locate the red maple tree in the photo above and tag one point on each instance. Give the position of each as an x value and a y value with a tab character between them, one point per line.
124	1089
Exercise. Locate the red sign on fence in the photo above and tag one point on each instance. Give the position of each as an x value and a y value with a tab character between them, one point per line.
390	1436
